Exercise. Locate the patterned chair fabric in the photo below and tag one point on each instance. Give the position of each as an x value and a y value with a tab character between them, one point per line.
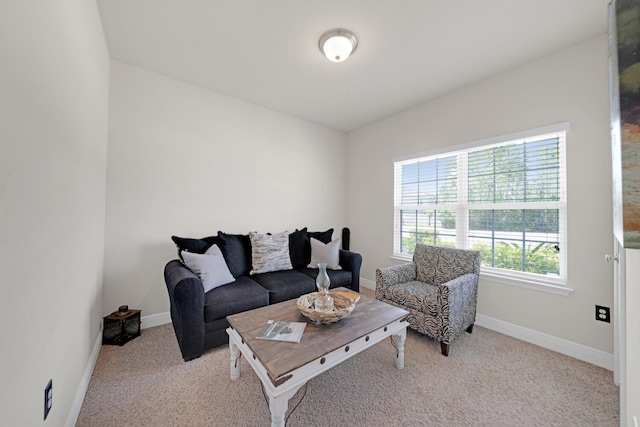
439	288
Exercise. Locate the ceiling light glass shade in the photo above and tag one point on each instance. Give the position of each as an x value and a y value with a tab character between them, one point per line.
338	44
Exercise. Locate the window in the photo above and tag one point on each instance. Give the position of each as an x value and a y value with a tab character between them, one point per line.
504	197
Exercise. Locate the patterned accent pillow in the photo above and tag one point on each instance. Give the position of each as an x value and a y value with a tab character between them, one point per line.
210	267
325	253
270	252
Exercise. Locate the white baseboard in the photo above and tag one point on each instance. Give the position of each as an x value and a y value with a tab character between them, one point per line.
369	284
155	320
569	348
76	406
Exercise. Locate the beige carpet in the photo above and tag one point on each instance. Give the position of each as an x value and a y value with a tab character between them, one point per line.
488	380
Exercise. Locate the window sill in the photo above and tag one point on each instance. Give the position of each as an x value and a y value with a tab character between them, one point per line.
529	284
506	279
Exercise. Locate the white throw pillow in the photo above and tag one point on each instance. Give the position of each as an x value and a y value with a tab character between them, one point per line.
269	252
329	254
210	267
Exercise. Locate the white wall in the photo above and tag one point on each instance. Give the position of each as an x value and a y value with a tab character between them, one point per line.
189	162
571	85
53	135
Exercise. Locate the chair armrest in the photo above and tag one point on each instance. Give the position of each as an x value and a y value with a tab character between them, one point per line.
186	297
393	275
352	261
458	299
469	279
183	285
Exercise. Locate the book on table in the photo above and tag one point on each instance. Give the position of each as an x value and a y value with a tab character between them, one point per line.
353	296
278	330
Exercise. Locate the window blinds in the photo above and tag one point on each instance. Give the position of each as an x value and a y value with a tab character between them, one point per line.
506	199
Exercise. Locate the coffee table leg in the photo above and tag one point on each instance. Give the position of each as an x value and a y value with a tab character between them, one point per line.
235	360
398	343
278	406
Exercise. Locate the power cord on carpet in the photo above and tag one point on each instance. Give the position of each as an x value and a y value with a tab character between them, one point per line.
393	343
286	420
266	399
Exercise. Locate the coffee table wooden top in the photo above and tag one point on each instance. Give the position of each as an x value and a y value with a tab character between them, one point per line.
280	358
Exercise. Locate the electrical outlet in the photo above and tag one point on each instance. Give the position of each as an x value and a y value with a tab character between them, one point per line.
48	398
603	314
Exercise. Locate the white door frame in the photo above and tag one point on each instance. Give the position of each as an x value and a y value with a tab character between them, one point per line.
620	326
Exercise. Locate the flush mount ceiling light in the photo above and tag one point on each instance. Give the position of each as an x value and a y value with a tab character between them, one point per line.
338	44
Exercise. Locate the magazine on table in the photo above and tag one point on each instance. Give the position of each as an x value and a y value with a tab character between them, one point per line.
278	330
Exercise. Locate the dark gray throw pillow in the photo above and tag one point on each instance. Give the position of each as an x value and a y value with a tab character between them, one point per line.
298	244
196	246
236	249
324	236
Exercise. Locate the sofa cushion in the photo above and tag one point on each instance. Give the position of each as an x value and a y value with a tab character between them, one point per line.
242	295
298	245
322	253
236	249
210	267
285	285
269	252
415	295
337	278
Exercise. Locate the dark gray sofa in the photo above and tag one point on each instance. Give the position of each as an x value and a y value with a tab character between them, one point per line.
199	318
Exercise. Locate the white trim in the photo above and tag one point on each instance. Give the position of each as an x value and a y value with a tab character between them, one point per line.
401	258
155	320
548	287
562	346
369	284
76	406
544	130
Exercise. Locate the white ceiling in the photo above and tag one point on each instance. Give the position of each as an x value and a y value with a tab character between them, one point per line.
410	51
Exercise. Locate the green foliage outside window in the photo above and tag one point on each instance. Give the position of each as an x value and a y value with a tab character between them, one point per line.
541	258
409	242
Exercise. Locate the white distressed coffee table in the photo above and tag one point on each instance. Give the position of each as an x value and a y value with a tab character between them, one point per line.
284	367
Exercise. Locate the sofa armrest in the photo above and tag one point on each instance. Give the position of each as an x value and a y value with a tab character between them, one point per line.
393	275
352	261
186	297
458	299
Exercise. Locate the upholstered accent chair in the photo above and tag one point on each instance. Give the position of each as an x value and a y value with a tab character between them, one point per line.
439	288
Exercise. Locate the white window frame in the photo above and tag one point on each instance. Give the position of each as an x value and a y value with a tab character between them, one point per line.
552	284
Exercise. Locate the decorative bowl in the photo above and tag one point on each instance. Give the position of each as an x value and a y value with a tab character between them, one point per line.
342	307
